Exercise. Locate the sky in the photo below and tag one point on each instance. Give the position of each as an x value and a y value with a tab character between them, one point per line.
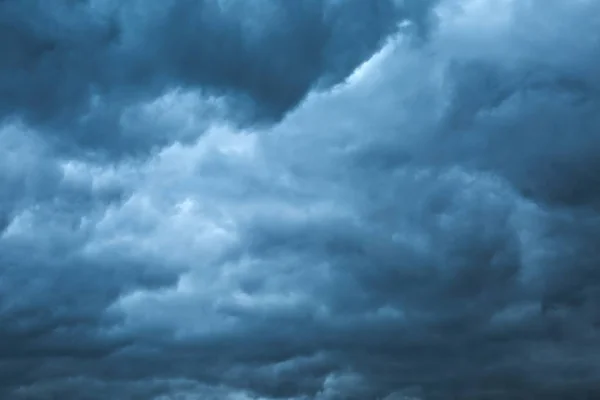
299	199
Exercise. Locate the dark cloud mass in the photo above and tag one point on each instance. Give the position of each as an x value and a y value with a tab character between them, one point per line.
299	200
74	67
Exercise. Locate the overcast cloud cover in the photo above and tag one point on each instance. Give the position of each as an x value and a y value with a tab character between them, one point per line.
299	199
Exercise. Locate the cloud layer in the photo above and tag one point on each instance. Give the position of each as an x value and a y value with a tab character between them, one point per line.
77	69
320	199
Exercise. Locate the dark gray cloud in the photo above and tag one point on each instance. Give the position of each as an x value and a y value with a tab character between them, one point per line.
424	226
74	67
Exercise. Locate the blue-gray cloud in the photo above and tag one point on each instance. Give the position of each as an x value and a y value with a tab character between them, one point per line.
74	67
422	225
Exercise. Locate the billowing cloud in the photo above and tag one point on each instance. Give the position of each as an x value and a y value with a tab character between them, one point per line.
337	205
77	68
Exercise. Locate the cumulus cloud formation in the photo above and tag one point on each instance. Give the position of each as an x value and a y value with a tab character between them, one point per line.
76	68
320	199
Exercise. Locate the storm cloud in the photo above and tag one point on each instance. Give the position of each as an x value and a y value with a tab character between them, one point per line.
299	200
80	68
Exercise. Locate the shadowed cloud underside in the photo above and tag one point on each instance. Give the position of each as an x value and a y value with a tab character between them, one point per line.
299	200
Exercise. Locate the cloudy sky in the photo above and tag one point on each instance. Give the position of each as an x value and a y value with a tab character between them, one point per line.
299	199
